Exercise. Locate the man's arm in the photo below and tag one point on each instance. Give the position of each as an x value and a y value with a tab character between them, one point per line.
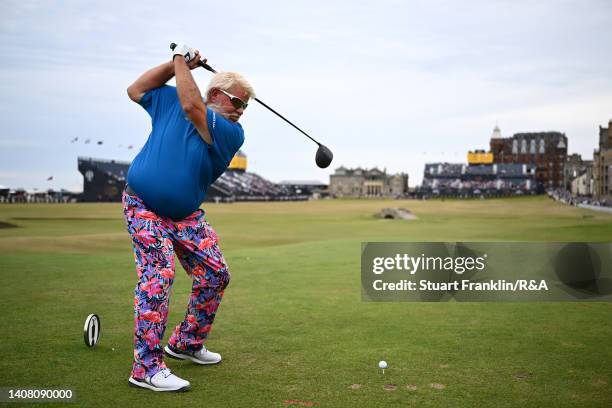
153	78
191	98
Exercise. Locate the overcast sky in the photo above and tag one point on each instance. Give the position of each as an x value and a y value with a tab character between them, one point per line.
392	84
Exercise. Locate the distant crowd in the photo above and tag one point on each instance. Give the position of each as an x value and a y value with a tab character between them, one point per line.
566	197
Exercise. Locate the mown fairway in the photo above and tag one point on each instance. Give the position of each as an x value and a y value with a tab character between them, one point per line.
292	328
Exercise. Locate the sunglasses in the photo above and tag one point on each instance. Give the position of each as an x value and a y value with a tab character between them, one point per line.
236	101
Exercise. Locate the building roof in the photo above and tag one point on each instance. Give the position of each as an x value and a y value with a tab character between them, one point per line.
343	171
301	183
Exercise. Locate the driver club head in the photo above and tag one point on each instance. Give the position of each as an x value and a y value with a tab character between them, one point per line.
324	156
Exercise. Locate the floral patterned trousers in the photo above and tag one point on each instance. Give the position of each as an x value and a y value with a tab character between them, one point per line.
155	241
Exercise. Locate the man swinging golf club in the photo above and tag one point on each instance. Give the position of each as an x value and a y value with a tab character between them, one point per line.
191	144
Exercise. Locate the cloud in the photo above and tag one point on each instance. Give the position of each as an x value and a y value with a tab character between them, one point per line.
378	83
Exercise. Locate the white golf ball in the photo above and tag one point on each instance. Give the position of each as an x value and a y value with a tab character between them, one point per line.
382	364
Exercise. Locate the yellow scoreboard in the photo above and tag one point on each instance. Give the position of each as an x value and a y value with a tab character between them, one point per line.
480	157
239	162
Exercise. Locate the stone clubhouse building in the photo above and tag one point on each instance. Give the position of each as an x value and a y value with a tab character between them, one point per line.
362	183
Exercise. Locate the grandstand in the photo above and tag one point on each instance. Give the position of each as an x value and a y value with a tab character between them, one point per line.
104	180
307	188
237	185
461	180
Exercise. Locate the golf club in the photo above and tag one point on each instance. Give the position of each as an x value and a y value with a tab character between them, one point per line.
324	156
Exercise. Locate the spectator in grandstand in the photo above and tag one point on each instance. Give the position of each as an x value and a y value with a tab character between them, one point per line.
191	144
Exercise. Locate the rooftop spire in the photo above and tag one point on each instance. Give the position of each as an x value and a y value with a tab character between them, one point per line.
496	132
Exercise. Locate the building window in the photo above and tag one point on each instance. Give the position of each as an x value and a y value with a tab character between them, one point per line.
515	146
542	146
523	146
532	147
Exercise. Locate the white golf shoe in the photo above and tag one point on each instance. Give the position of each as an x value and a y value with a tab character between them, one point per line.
164	380
203	356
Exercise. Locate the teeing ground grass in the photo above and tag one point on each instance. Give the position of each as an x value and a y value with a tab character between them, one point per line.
292	328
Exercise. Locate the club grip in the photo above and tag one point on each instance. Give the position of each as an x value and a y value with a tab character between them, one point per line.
202	63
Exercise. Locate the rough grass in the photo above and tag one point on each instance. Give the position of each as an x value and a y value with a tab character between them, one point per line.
292	328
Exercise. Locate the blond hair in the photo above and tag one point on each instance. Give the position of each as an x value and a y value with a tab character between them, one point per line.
225	80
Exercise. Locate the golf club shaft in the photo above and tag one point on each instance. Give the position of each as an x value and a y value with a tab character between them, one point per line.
211	69
287	120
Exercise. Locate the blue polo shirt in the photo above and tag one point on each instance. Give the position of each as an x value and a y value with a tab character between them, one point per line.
174	169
